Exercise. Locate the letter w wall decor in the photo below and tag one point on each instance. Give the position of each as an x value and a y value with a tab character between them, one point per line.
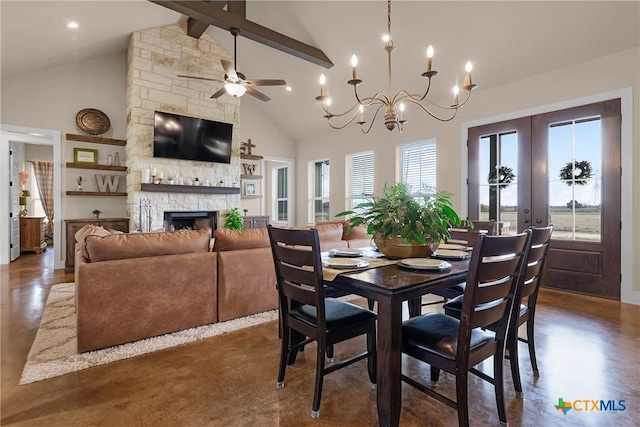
107	183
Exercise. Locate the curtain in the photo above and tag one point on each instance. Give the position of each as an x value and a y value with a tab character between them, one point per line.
43	172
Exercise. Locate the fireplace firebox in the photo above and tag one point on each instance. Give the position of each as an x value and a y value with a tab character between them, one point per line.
190	220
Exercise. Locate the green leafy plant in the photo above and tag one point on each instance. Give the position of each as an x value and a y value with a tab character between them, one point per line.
96	212
233	220
418	217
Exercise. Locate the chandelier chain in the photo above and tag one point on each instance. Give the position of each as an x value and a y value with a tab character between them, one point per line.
389	17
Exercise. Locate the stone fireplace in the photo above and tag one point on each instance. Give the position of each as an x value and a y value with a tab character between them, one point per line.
190	220
156	56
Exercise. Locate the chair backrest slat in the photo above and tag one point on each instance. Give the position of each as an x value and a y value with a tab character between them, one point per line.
490	315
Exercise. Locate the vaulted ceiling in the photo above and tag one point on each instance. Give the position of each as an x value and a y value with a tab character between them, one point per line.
507	41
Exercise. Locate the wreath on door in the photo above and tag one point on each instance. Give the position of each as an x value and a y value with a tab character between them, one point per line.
579	174
503	176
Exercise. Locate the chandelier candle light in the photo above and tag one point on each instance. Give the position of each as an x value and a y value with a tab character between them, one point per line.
394	104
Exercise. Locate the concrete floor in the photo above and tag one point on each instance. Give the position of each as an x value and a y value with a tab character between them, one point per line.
587	349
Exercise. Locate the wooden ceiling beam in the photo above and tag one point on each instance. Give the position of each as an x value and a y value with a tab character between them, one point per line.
238	7
212	15
197	28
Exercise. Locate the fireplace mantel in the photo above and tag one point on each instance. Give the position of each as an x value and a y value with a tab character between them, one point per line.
168	188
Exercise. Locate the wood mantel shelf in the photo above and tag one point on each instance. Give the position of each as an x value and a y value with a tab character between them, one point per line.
168	188
250	157
95	139
96	166
96	193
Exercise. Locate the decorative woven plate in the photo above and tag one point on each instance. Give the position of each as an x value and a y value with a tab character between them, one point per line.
92	121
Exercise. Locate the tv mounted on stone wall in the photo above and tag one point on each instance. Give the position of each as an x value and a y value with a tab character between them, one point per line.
190	138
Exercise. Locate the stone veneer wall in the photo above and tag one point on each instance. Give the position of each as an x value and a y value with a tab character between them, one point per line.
155	57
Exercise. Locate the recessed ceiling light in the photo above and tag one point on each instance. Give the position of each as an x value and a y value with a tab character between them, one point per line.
72	25
288	88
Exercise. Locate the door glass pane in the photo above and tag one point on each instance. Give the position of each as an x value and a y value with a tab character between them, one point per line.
498	180
575	190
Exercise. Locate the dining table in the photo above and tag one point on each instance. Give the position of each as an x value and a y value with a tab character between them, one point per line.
390	285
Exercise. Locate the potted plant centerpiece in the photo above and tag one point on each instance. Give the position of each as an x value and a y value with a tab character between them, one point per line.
406	224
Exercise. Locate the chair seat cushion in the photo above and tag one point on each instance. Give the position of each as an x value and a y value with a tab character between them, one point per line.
454	306
438	332
459	288
339	314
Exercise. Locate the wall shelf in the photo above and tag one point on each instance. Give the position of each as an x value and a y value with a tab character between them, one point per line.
96	193
96	166
252	196
95	139
251	176
168	188
250	157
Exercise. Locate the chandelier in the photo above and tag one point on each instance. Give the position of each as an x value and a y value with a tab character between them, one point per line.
394	104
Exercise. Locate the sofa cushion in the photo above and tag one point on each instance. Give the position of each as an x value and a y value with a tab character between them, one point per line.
89	230
330	231
139	245
232	240
356	233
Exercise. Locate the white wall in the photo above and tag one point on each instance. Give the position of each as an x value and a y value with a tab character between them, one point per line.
270	141
51	99
605	74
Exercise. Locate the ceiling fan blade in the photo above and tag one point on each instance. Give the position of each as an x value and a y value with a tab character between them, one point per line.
228	68
219	93
201	78
261	96
267	82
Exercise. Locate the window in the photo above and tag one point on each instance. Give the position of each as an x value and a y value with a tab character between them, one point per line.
36	202
320	191
360	178
281	200
418	164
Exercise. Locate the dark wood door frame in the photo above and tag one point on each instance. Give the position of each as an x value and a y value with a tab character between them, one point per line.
589	267
600	263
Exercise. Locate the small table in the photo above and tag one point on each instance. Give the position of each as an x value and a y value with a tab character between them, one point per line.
390	286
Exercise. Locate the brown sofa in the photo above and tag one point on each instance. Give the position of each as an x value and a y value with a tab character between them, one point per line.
246	276
333	235
134	286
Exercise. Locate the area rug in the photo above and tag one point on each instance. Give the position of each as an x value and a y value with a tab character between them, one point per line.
54	350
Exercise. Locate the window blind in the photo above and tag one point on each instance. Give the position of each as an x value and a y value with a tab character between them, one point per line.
361	182
418	164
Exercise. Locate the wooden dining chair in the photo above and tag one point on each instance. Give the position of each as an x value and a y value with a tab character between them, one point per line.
524	311
457	346
307	315
465	236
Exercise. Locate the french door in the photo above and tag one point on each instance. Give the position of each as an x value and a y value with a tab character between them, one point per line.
560	168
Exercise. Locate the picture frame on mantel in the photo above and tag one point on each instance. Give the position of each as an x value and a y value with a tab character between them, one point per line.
85	155
249	189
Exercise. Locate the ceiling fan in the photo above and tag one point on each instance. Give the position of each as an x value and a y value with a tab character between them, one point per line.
235	83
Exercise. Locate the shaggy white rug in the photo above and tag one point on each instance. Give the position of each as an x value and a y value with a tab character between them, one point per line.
54	350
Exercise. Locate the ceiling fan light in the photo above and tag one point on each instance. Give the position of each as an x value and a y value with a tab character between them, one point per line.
235	89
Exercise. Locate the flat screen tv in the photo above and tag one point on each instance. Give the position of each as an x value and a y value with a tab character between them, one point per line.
190	138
